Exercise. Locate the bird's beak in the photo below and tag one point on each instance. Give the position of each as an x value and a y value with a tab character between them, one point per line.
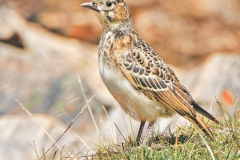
90	6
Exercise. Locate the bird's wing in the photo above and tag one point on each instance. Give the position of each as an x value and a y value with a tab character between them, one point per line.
148	73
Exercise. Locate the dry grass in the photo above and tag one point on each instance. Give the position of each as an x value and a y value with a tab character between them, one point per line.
187	142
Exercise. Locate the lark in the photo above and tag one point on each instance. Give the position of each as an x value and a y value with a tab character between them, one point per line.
142	83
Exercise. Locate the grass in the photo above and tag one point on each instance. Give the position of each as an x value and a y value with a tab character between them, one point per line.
185	143
188	142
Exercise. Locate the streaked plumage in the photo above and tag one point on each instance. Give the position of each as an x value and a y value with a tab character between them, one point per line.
142	83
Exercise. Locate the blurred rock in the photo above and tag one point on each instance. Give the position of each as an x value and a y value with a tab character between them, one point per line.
49	51
27	8
14	40
54	20
59	17
219	72
44	75
23	138
6	31
83	32
183	33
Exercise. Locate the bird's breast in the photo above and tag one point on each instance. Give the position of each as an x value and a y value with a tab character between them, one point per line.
113	48
132	101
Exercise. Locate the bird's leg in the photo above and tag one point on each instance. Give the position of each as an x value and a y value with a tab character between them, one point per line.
149	129
140	132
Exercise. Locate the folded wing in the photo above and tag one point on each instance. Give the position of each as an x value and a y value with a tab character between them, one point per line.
147	72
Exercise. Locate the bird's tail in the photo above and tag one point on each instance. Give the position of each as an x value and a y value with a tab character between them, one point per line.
201	124
203	112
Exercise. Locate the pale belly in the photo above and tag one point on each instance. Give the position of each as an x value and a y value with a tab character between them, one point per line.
132	101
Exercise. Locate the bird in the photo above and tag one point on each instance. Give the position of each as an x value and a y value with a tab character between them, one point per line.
140	81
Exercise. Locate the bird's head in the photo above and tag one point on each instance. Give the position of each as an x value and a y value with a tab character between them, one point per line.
109	12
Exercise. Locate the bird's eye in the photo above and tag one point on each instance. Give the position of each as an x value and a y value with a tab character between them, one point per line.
109	4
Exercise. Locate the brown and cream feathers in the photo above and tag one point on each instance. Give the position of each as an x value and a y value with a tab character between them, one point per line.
142	83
